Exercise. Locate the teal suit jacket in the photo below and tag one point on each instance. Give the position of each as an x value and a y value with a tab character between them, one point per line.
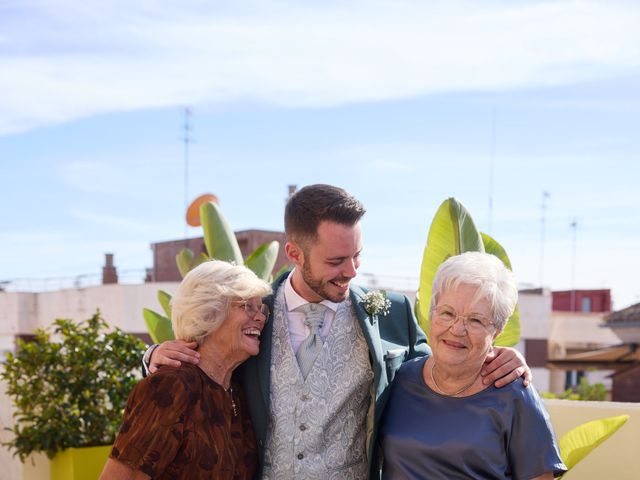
392	339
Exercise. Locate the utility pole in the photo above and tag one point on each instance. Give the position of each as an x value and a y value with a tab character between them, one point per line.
186	138
545	195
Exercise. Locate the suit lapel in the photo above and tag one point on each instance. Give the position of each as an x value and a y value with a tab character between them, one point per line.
369	326
266	341
264	356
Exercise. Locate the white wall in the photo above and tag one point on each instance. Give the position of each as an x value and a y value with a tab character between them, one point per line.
121	306
583	331
535	315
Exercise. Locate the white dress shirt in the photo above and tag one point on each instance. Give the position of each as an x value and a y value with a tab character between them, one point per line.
298	331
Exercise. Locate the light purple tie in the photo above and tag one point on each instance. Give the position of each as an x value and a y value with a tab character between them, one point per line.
310	346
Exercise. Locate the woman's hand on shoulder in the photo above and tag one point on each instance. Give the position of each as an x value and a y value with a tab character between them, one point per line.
503	366
173	353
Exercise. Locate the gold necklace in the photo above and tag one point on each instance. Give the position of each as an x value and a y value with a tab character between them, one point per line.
463	389
229	390
233	403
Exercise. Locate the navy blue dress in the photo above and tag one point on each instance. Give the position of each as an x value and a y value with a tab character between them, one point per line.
498	433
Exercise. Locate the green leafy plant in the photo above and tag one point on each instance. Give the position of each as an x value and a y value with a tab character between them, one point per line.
577	443
70	386
453	232
583	391
221	244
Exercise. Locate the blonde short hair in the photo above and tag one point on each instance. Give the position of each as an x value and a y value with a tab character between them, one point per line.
202	301
488	274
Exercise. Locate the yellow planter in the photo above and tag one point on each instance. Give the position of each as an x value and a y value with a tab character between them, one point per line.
84	463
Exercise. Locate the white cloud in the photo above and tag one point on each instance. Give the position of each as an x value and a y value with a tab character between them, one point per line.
66	60
66	254
92	177
119	223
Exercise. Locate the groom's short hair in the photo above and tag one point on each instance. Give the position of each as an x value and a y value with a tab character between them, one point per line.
316	203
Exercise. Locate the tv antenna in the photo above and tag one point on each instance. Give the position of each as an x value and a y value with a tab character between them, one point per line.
543	219
186	138
493	154
574	227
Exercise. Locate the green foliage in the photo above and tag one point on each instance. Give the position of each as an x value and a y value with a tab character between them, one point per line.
287	267
159	326
453	232
596	392
221	244
584	391
262	259
165	301
219	238
70	389
510	335
184	259
582	440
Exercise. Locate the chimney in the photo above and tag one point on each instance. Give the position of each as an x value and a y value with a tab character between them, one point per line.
109	273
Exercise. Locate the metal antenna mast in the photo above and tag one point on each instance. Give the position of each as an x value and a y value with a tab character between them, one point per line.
545	195
574	227
187	140
493	154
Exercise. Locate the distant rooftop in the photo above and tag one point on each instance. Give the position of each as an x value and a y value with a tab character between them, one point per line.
627	316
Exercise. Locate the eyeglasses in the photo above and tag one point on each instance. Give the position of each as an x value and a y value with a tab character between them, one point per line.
252	309
474	323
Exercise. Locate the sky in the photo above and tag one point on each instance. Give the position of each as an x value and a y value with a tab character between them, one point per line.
402	103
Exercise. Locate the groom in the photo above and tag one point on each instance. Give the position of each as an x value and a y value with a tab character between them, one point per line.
316	391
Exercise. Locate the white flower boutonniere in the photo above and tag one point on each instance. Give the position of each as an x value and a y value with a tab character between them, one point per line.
376	302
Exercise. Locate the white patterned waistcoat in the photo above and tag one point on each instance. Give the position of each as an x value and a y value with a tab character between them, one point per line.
317	428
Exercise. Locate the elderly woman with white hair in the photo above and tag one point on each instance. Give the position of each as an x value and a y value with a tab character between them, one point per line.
192	422
441	420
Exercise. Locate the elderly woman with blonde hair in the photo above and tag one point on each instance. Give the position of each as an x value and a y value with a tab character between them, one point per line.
441	420
192	422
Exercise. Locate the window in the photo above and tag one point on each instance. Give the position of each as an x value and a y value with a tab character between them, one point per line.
572	378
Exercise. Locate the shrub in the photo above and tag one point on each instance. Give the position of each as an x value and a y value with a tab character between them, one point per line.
583	391
70	392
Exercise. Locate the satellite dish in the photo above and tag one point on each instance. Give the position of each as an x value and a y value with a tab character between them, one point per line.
193	212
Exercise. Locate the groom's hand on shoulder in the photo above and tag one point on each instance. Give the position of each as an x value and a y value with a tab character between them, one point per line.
173	353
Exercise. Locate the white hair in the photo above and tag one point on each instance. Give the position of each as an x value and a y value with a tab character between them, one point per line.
201	303
493	280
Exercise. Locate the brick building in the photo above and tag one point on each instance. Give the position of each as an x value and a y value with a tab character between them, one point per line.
621	360
578	327
581	301
164	253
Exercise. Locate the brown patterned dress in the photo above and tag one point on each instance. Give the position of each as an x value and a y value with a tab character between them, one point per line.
180	424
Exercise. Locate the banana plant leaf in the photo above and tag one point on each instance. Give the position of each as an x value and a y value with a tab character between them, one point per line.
263	259
184	260
199	259
452	232
510	335
284	269
219	238
165	301
158	325
579	442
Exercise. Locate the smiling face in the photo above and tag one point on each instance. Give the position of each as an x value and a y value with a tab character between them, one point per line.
454	346
325	267
239	334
